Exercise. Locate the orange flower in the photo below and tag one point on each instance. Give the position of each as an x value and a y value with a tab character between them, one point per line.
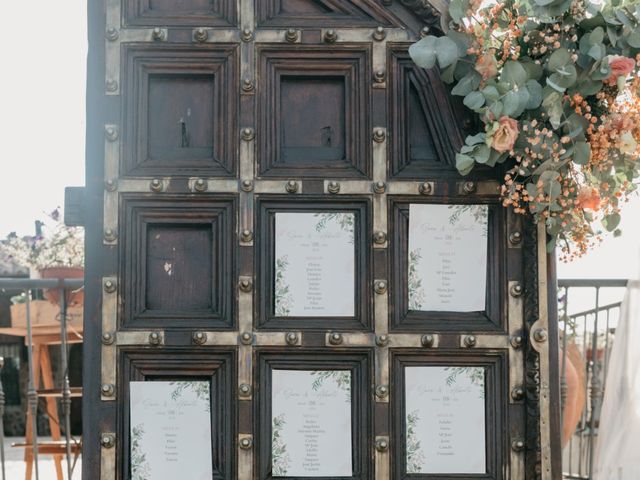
487	65
505	135
620	67
589	198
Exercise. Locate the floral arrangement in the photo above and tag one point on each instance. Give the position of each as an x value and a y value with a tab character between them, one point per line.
56	246
555	84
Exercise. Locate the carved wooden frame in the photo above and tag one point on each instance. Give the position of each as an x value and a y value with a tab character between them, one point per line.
358	361
267	207
493	319
353	62
137	213
139	13
496	406
219	61
356	13
173	364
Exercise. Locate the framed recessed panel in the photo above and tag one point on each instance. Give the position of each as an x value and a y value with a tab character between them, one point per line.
180	13
181	115
178	413
289	13
448	272
178	262
449	412
314	415
311	423
170	429
423	138
314	111
314	262
445	420
447	257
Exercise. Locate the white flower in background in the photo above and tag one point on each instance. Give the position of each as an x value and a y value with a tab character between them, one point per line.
628	144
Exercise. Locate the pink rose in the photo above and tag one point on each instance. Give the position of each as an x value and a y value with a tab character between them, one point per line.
620	67
505	135
589	198
487	65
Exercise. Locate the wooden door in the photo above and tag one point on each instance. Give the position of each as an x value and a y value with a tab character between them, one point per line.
255	171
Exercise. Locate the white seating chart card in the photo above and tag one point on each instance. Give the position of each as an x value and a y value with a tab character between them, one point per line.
445	420
447	257
170	430
314	265
311	423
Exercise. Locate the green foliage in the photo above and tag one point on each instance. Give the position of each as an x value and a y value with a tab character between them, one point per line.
528	62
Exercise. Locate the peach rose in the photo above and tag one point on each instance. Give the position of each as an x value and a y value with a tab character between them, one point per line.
589	198
487	65
620	67
505	134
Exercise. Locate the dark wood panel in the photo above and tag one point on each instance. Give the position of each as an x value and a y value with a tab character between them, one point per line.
178	280
181	115
267	207
180	12
314	109
329	13
496	406
178	262
426	131
358	362
216	366
493	319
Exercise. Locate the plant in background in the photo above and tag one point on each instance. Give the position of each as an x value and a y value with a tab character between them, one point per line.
56	246
556	86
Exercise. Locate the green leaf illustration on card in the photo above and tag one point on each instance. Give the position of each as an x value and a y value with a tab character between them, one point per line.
279	457
342	379
202	391
474	374
345	221
415	455
416	290
140	469
283	298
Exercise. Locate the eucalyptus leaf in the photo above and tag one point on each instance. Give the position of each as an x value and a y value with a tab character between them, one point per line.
612	33
581	153
464	163
423	52
467	84
490	93
475	139
447	75
446	52
474	100
481	153
558	59
552	104
514	73
458	9
535	94
586	88
596	37
611	222
597	52
534	70
633	38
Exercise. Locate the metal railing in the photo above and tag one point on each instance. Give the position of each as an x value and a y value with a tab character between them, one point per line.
29	287
591	332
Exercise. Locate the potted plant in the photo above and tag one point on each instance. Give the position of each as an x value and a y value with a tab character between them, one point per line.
56	251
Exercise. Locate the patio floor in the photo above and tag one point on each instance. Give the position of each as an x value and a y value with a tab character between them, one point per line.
15	466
